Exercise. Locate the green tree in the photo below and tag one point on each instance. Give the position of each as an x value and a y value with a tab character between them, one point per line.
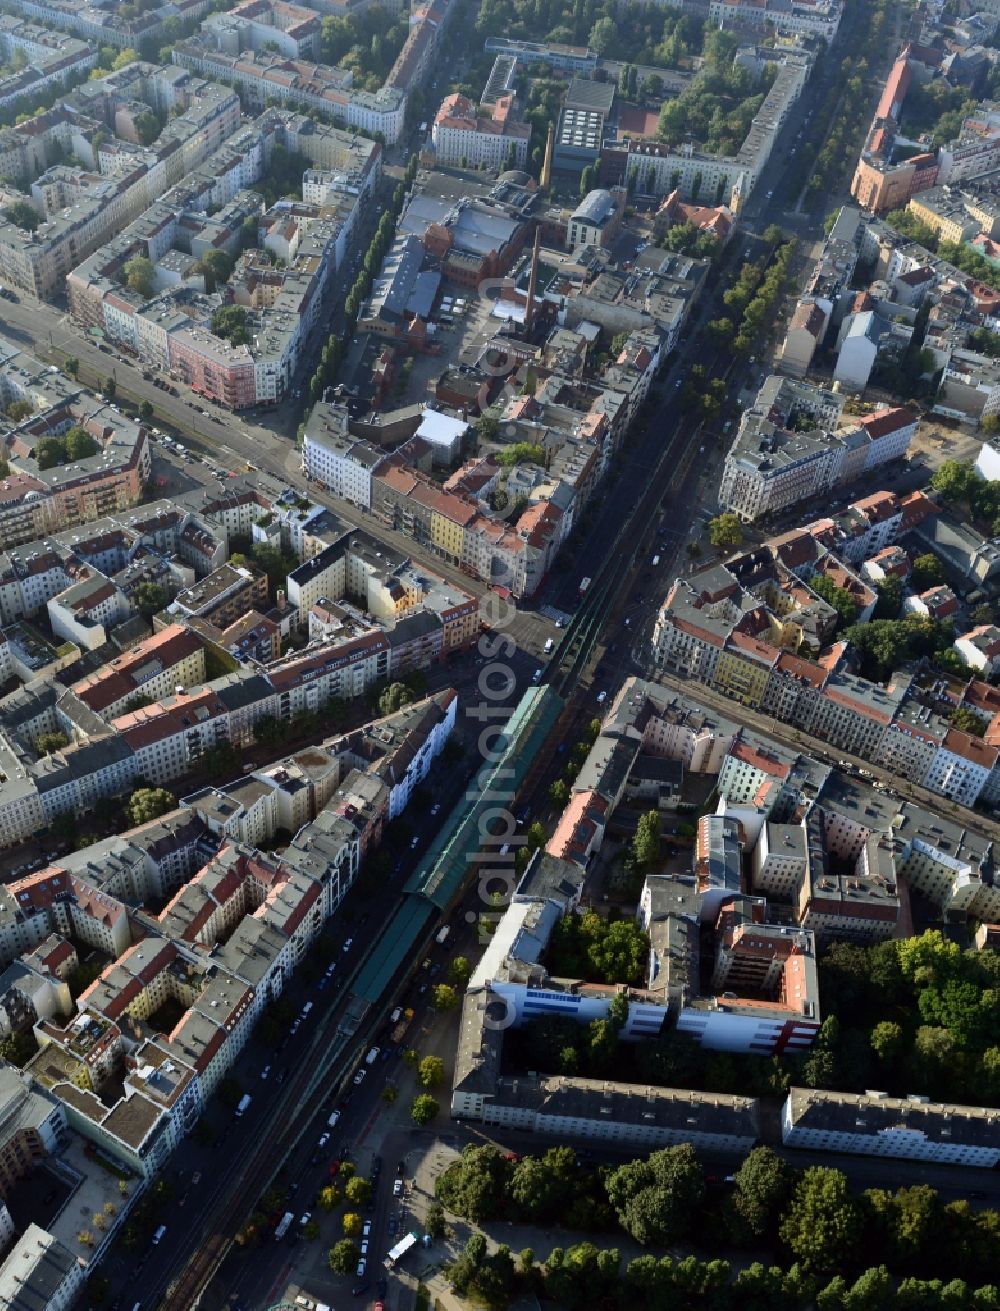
343	1257
838	597
72	366
725	532
762	1186
656	1200
646	843
424	1109
79	443
536	1190
475	1185
444	997
431	1072
150	598
269	731
23	215
147	125
18	410
460	971
870	1291
536	836
358	1191
140	276
822	1225
329	1198
50	452
395	696
890	597
146	411
603	37
927	572
46	743
488	427
559	792
954	479
967	721
146	804
18	1048
887	1040
123	59
230	321
930	951
215	266
352	1224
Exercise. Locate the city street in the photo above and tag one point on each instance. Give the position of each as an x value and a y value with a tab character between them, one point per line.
292	1097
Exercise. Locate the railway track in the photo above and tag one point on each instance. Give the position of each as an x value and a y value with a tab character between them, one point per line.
312	1083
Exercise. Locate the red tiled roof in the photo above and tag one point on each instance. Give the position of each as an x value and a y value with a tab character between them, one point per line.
804	670
970	748
896	86
758	759
883	422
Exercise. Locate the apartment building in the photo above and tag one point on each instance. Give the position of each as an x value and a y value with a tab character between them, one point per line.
105	25
627	1115
789	17
35	501
496	140
273	24
332	457
901	1128
267	77
778	458
171	658
50	59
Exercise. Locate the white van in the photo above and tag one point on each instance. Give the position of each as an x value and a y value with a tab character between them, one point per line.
549	644
334	1117
158	1236
372	1056
306	1009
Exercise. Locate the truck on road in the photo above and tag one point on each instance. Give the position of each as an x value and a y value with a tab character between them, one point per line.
400	1250
584	584
283	1226
244	1104
441	936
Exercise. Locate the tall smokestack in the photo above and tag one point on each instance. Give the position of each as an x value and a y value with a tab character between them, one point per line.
546	177
529	312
